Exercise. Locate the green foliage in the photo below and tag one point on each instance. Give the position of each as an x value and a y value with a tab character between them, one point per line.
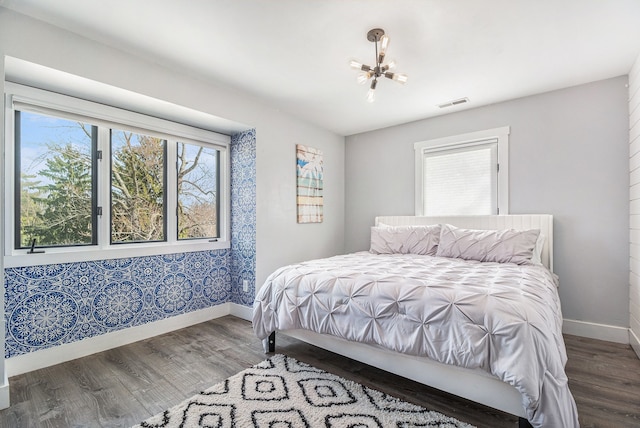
137	189
56	202
59	212
31	210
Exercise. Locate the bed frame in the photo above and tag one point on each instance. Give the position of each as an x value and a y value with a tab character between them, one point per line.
474	385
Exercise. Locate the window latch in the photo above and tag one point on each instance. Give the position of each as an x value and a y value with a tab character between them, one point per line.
32	250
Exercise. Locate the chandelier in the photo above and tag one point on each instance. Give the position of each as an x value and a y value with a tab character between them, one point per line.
376	36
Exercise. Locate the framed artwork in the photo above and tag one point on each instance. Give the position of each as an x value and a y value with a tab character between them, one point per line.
309	187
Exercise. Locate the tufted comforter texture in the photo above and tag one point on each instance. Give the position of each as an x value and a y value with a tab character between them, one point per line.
499	317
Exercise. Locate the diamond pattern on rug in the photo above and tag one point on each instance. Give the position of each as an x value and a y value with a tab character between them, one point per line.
264	387
321	392
283	392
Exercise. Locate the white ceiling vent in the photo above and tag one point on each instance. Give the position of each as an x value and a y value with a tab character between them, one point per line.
454	102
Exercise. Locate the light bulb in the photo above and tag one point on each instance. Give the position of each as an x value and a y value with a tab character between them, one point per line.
363	77
400	78
359	66
384	43
371	95
390	66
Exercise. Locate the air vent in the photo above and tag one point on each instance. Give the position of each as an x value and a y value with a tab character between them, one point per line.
454	102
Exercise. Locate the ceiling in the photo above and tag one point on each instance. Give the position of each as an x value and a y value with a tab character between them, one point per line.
295	53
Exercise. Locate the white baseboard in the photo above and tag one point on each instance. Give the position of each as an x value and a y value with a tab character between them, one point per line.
635	342
70	351
592	330
244	312
4	392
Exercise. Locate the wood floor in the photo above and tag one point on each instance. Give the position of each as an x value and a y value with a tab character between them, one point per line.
123	386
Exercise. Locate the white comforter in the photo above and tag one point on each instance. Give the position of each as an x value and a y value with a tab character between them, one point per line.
502	318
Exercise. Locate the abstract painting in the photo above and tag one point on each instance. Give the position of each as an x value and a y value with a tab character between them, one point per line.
309	184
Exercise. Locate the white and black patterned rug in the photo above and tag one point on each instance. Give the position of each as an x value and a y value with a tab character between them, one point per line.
284	393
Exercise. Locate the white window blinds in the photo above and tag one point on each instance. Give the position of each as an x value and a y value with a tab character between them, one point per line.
461	179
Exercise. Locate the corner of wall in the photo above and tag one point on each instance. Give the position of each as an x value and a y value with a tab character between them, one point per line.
634	340
634	206
4	387
4	392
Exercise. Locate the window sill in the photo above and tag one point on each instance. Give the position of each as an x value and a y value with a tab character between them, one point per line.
20	258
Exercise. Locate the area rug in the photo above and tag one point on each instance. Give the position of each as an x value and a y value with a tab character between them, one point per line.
282	392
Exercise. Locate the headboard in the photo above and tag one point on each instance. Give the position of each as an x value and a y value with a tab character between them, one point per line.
544	222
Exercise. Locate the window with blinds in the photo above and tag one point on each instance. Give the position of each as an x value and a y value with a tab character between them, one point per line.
463	175
461	180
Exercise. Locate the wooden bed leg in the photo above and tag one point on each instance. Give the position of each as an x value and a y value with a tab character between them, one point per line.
269	343
523	423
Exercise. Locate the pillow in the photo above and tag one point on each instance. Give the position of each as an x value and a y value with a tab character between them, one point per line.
536	259
420	239
502	246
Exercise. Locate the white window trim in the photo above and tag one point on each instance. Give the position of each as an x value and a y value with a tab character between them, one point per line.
501	134
110	116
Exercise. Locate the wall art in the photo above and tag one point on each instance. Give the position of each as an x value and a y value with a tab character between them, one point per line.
310	183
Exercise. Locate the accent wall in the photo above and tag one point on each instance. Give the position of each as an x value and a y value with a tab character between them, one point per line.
49	305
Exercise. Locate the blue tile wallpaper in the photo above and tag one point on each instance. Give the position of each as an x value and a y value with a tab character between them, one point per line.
50	305
243	216
54	304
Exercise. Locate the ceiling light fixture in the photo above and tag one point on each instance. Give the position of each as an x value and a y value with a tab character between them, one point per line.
376	36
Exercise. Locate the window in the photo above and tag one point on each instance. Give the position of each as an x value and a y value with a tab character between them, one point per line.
138	170
88	179
54	184
197	191
463	175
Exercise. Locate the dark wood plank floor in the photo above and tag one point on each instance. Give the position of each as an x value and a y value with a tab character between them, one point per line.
123	386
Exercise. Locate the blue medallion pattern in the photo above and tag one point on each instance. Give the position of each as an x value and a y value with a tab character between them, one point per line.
43	318
243	216
117	304
174	293
50	305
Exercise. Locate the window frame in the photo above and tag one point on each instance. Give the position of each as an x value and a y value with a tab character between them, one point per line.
20	97
471	139
217	168
165	186
17	180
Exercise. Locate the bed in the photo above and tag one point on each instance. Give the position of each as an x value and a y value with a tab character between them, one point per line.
465	304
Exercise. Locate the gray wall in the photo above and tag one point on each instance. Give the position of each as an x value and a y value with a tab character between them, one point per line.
568	157
634	206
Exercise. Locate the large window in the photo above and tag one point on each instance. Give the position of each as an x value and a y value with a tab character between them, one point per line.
88	179
463	175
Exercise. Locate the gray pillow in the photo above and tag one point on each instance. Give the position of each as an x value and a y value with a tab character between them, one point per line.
502	246
405	239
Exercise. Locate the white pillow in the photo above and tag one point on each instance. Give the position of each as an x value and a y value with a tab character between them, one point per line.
502	246
536	259
419	239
